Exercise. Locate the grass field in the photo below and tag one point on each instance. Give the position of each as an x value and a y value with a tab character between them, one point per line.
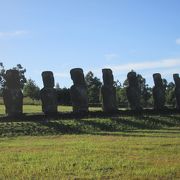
124	147
38	109
135	155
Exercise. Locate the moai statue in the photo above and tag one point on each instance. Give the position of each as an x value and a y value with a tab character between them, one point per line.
12	94
48	94
177	89
133	92
78	91
108	91
158	92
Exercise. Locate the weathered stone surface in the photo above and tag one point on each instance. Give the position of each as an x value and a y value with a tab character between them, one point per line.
78	91
158	92
108	91
133	92
177	89
48	94
12	94
48	79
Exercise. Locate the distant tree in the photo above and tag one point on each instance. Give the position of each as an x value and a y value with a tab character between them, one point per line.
93	86
146	91
64	97
165	83
121	97
21	74
2	75
170	94
57	86
117	84
31	90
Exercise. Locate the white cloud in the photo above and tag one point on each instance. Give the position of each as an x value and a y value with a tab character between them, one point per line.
62	75
164	72
12	33
178	41
167	63
111	56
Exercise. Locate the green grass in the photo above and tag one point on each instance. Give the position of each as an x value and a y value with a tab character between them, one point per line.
26	100
135	155
124	147
2	110
38	109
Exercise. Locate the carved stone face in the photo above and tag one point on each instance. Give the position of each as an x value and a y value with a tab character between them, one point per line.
77	76
107	77
132	79
12	79
157	79
176	79
48	79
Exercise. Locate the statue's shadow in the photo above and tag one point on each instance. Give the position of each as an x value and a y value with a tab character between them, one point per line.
120	123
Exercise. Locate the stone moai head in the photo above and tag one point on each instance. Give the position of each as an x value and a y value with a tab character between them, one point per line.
108	78
132	78
157	79
12	79
176	79
48	79
77	76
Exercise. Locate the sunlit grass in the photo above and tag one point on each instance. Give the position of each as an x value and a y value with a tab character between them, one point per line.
92	156
124	147
38	109
2	109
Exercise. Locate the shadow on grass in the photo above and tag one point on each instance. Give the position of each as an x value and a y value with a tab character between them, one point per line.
174	117
102	126
158	120
135	124
139	125
59	127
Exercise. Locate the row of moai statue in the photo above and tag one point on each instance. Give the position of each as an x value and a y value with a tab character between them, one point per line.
134	93
78	90
13	96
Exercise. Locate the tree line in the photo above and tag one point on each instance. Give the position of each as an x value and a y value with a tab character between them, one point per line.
31	89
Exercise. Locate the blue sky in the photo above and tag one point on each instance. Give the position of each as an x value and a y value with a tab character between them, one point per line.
58	35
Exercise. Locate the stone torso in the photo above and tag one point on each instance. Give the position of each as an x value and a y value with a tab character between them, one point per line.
49	100
109	99
133	92
48	94
79	96
158	92
108	92
177	89
13	100
12	94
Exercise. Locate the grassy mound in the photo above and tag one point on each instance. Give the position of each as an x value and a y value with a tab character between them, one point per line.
117	147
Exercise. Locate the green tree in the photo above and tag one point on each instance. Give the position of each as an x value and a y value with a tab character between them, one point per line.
57	86
31	90
146	91
121	97
2	75
93	86
18	67
170	94
64	97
